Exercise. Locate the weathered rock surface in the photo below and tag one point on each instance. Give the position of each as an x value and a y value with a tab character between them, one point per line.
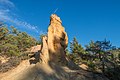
35	49
56	41
57	38
38	71
44	55
3	59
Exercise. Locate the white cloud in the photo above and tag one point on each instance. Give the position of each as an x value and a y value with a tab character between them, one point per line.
6	15
25	24
7	3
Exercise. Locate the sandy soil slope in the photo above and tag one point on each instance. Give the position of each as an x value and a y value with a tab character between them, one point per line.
38	71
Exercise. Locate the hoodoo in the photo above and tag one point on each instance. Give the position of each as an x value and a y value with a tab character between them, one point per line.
57	40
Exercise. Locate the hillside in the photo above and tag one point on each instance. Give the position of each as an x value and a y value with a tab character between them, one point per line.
38	71
51	63
48	61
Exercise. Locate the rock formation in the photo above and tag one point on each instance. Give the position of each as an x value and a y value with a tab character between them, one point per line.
56	41
35	49
52	49
57	38
44	55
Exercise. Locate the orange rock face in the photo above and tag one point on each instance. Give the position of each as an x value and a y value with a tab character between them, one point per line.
35	48
56	40
44	55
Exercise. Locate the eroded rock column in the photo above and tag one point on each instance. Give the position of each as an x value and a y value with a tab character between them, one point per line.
57	39
55	43
44	55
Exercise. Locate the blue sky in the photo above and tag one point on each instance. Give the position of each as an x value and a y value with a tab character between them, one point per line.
85	19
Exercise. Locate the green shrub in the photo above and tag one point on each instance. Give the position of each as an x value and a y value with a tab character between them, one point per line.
113	73
91	65
13	53
10	50
11	63
24	56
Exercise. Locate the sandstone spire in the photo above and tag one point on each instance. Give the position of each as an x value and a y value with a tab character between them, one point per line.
54	44
57	38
